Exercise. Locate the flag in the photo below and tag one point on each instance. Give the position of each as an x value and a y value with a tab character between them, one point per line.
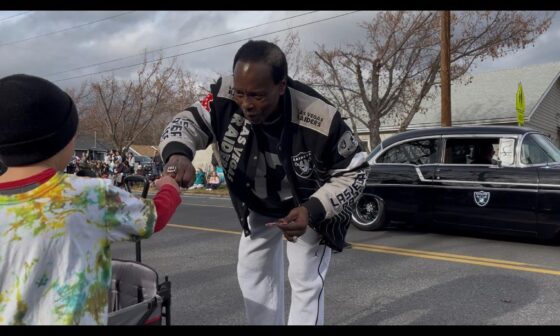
520	105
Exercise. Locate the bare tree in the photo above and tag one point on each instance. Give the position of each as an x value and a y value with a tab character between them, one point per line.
82	97
391	72
183	92
135	111
340	92
294	55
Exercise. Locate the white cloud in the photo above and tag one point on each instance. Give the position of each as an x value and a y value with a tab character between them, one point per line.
132	41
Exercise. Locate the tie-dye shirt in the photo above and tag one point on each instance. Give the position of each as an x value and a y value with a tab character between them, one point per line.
55	256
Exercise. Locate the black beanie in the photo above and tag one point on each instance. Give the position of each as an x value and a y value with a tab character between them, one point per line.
37	120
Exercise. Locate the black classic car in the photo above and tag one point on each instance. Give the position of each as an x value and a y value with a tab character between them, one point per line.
488	178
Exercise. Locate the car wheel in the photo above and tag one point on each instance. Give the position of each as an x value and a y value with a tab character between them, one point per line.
369	213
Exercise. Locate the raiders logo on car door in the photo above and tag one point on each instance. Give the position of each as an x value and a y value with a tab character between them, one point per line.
481	198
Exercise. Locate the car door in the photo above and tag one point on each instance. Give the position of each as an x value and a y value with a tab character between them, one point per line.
486	196
538	151
402	175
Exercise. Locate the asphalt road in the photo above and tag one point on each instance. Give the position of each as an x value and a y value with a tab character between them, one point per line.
399	276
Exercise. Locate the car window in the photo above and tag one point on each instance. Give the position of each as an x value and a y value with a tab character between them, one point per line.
471	150
413	152
537	148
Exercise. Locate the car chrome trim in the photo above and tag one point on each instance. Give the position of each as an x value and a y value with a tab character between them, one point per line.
455	187
420	175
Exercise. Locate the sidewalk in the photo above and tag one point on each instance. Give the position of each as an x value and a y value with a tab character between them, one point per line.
221	192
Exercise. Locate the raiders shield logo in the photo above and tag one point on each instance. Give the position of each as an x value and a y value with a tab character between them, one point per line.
481	198
303	165
347	144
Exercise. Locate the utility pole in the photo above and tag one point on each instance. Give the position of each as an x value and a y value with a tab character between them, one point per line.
445	63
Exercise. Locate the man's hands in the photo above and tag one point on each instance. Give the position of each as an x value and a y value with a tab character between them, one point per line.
181	169
294	224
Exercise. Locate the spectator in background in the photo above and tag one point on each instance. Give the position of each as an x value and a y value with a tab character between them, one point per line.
130	159
158	163
483	154
217	167
199	180
220	172
120	172
213	181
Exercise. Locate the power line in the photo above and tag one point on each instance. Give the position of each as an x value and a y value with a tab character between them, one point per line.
203	49
174	46
13	16
63	30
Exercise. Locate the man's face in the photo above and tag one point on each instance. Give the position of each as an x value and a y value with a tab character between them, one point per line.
255	91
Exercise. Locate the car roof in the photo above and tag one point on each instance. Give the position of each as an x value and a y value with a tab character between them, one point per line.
456	130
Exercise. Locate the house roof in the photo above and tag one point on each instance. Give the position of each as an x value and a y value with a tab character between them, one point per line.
146	150
489	98
89	142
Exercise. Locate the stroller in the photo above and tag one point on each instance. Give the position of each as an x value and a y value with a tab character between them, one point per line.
136	296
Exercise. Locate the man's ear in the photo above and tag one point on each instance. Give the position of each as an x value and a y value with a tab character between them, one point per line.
282	86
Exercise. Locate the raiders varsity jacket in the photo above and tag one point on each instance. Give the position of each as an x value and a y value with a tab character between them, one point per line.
324	163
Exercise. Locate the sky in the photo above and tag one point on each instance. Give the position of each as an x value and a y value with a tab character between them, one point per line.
69	47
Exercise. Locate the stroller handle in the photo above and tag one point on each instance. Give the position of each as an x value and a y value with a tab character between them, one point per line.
137	178
127	181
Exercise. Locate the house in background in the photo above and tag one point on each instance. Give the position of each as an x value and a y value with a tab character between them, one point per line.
145	150
84	143
202	158
489	99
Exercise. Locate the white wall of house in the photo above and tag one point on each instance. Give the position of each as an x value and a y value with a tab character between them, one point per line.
546	117
203	159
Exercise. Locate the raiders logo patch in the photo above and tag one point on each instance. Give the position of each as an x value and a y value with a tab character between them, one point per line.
303	165
347	144
481	198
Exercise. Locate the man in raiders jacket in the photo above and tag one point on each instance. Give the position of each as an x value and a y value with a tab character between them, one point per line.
293	169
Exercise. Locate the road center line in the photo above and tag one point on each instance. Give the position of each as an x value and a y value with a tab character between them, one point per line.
456	258
207	205
203	229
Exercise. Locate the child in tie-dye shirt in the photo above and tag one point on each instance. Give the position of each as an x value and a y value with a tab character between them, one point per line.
56	229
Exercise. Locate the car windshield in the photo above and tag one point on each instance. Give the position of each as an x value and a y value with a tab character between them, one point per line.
537	149
143	159
372	154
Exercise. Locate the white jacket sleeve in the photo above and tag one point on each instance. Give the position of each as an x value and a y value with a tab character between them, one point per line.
188	132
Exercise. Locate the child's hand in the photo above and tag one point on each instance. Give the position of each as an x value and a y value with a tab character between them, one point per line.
166	180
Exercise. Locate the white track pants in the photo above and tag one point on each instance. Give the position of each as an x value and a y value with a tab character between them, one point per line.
260	271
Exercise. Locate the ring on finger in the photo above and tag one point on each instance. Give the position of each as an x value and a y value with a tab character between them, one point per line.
172	170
